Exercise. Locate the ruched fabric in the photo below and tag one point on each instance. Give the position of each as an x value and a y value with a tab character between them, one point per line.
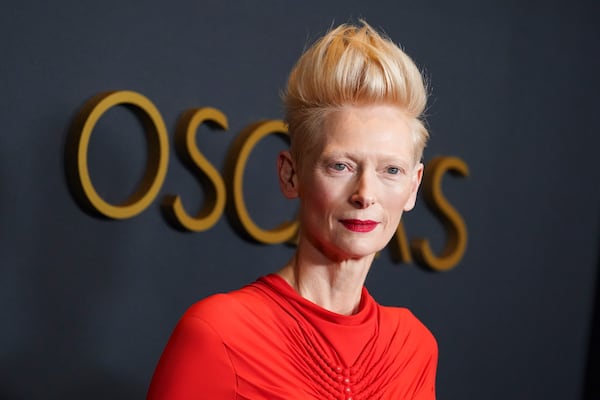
265	341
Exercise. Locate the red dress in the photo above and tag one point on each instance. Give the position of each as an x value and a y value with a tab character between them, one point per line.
265	341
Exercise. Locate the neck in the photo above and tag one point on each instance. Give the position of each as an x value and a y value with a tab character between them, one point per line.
334	285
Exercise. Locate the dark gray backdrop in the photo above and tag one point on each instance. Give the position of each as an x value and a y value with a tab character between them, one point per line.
87	304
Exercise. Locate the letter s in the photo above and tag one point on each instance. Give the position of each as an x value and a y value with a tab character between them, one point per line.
454	224
185	143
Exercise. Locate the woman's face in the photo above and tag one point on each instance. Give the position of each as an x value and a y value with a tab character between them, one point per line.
355	185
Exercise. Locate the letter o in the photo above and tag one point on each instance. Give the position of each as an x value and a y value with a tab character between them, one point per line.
158	152
241	151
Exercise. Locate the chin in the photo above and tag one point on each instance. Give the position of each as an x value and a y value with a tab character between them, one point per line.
358	252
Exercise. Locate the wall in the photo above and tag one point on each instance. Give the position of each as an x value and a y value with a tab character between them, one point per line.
88	303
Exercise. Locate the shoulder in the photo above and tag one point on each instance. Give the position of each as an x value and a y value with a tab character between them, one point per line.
401	322
213	307
230	312
415	353
401	317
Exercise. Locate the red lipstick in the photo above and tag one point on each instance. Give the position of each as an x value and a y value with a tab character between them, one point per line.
358	225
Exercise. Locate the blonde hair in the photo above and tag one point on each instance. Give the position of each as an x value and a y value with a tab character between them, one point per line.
351	65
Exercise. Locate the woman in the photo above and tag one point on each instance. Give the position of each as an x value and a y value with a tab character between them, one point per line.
311	330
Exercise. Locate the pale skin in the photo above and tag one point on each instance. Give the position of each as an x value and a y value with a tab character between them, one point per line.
353	189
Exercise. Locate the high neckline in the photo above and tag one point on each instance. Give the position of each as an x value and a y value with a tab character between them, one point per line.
364	311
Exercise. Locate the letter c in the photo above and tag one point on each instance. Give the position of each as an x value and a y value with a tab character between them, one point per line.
236	164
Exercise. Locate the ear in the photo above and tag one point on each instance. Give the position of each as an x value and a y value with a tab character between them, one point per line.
288	177
415	183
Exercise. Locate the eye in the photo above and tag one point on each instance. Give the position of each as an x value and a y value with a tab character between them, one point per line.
339	166
393	170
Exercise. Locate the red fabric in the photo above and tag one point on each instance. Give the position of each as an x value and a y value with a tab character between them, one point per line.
265	341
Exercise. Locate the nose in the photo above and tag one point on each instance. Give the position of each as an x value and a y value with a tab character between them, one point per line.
364	193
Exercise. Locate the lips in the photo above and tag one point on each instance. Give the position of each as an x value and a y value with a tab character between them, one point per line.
358	225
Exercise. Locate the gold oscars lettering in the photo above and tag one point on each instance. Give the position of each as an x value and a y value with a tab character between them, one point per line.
226	191
185	143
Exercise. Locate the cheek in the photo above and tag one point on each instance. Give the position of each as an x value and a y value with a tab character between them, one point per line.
395	201
314	204
322	200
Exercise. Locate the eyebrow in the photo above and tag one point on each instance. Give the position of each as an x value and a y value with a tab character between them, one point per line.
392	158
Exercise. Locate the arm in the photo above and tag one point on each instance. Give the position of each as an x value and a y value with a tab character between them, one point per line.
194	365
426	385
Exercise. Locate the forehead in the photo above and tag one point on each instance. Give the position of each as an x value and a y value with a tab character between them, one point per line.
369	129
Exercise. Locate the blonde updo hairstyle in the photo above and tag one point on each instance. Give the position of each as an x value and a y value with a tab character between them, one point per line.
351	65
